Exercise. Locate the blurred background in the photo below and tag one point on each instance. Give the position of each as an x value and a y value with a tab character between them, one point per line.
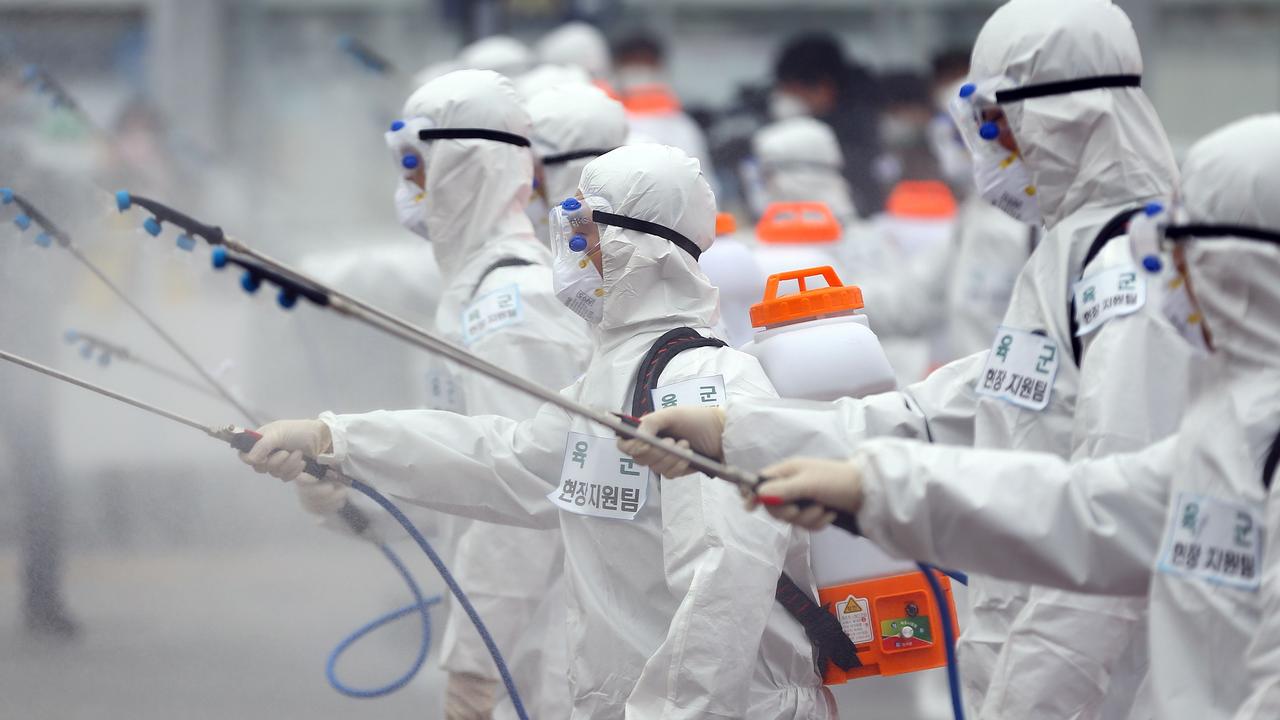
144	572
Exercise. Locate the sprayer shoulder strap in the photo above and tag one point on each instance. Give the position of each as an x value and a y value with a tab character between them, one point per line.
819	624
505	262
1115	227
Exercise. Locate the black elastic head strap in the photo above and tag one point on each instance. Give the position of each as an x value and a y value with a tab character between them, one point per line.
473	134
572	155
1206	231
1062	87
648	228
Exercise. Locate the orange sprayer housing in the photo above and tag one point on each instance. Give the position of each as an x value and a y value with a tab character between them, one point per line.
894	623
921	199
807	304
798	223
726	224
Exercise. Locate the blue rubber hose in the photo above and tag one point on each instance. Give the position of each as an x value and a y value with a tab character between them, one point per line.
948	638
420	605
466	605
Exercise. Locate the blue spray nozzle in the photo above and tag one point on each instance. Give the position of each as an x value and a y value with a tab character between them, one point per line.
571	204
70	335
397	125
577	243
43	239
250	282
1152	209
6	195
409	162
287	299
86	351
152	226
219	258
186	242
989	131
346	42
968	89
123	200
22	221
104	359
1152	264
30	72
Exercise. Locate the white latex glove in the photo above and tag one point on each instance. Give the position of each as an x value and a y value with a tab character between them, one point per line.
831	484
697	428
469	697
285	445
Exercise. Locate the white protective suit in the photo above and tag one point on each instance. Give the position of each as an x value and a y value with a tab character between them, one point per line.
500	53
572	125
1109	525
1091	155
799	159
476	193
577	44
670	614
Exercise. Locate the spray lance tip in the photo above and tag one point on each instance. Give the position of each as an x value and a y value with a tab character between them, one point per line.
219	258
22	221
152	226
6	195
123	201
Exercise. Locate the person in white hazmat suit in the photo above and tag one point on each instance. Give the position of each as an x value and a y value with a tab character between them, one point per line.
799	159
1091	150
1188	522
671	609
500	53
577	44
468	175
573	124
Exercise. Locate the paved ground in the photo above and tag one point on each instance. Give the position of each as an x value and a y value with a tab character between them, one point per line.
198	633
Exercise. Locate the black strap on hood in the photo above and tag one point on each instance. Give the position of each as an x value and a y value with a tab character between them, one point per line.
1063	87
1115	227
474	134
1272	463
571	155
648	228
1206	231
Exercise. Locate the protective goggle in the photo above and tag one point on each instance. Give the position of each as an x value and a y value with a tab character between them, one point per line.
406	136
572	225
971	108
1155	230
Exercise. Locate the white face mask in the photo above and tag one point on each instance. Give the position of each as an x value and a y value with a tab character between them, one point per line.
574	277
783	106
411	208
1005	182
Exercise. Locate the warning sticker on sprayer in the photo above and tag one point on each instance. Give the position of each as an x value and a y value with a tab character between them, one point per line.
1214	540
1020	368
1108	294
490	312
705	391
855	619
599	481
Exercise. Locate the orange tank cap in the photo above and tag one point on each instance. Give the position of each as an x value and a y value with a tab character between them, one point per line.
726	224
650	99
798	223
806	304
921	199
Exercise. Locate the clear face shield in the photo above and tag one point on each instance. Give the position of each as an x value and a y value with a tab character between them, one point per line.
1158	232
999	175
575	250
408	153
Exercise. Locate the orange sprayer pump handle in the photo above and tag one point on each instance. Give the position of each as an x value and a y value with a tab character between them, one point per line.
798	222
826	271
